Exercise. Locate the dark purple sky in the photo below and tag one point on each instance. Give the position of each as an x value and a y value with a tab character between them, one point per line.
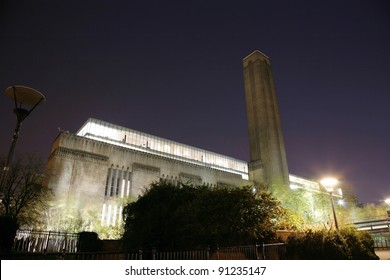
174	69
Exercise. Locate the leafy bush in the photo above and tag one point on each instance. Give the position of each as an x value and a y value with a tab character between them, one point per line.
345	244
185	217
360	243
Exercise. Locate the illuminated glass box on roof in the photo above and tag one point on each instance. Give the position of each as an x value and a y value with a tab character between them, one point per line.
135	140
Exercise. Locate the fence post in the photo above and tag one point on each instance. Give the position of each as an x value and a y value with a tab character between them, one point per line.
264	252
256	253
47	242
154	253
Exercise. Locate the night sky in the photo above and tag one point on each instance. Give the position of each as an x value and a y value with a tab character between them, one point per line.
174	69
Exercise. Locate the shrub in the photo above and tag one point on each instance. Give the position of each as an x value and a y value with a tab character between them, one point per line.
331	245
360	243
186	217
335	246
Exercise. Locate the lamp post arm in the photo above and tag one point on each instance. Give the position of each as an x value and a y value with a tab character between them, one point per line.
6	167
27	96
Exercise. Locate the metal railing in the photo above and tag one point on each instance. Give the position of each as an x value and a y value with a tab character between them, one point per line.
236	253
254	252
182	255
381	241
276	251
45	242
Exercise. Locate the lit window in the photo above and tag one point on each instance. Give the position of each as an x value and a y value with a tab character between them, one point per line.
103	213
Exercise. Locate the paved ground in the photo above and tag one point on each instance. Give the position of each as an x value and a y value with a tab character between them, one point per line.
383	254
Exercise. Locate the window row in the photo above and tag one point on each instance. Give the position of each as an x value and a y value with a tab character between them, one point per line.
111	215
118	183
112	133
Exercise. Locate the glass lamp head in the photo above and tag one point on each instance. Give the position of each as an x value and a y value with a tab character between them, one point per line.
329	183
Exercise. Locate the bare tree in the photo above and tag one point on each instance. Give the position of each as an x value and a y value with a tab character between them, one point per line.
24	198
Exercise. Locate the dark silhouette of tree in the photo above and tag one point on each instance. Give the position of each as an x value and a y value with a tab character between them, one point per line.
24	198
178	217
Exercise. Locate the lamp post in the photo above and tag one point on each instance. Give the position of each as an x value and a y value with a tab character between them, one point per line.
387	201
329	184
23	97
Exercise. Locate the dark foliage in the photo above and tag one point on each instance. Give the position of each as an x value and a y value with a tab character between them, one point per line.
331	245
170	217
8	227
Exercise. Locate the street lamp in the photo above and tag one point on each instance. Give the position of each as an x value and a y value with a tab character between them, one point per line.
23	97
387	201
329	184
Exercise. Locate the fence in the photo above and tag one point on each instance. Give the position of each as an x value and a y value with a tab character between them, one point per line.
181	255
266	251
255	252
236	253
381	241
45	242
276	251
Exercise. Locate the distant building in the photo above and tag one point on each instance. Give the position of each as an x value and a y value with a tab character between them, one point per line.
95	170
104	162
